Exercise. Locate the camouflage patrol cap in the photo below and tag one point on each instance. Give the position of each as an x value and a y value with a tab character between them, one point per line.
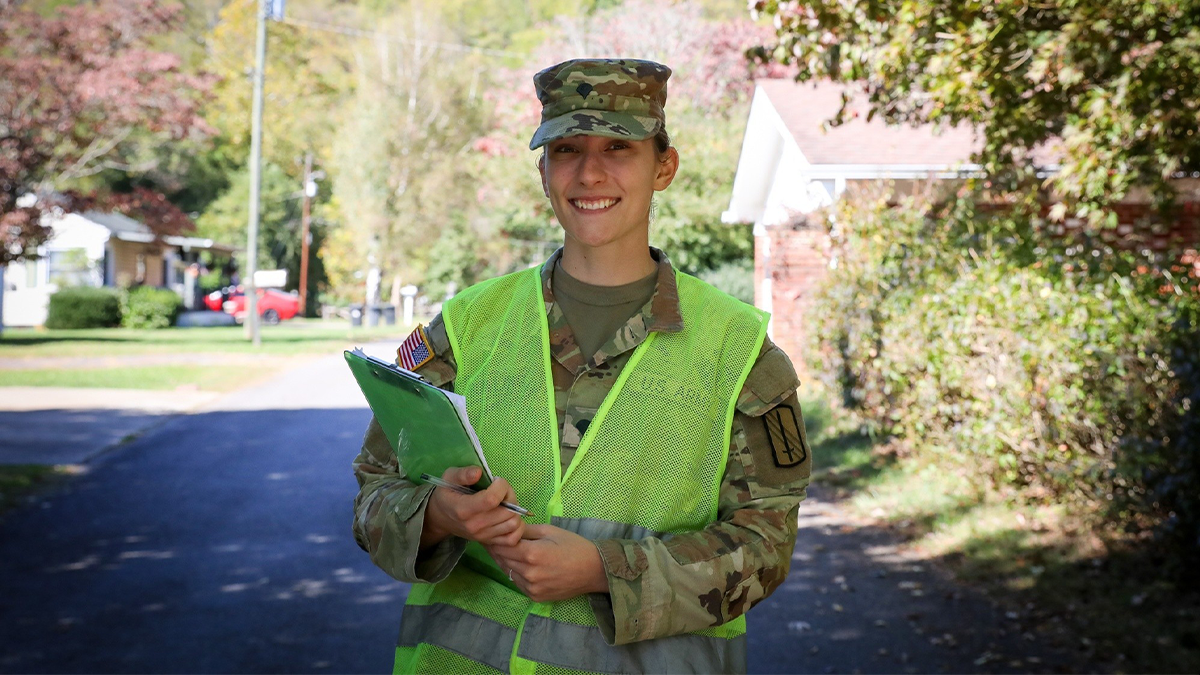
616	98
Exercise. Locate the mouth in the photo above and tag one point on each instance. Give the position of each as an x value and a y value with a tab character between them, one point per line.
594	205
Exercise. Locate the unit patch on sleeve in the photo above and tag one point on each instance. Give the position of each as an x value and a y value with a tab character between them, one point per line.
415	352
783	428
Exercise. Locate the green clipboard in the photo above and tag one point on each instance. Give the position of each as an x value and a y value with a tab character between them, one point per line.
429	431
427	427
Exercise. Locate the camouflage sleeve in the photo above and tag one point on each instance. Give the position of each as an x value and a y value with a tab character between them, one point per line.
389	511
687	582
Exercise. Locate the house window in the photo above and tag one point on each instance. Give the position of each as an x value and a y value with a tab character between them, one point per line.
31	274
140	277
70	267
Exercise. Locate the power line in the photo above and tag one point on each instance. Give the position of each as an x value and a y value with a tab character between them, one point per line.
358	32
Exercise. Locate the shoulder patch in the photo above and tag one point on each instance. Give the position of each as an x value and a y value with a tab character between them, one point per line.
435	332
415	350
771	380
778	444
783	430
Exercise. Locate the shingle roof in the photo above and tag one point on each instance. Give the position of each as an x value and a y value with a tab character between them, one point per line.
804	107
117	223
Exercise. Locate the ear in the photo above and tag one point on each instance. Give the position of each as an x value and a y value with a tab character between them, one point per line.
668	165
541	166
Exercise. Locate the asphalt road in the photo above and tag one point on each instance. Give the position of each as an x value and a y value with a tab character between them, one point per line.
219	542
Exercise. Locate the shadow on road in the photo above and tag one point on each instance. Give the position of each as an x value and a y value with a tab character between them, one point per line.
221	542
216	542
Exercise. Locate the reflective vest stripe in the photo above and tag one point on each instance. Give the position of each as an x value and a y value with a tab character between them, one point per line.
596	528
459	631
566	645
556	643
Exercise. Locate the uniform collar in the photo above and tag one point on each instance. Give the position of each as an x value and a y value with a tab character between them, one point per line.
661	313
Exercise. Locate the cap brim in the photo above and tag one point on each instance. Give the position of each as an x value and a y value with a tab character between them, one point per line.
606	123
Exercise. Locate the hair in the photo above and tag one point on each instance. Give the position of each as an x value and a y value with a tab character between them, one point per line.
662	140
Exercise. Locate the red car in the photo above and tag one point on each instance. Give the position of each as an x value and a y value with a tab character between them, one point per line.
273	306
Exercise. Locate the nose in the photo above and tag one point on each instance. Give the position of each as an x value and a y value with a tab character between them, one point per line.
591	168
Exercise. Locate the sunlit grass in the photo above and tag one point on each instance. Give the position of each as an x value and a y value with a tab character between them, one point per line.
287	338
164	376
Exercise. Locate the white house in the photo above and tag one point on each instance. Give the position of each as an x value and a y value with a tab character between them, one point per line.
98	249
793	163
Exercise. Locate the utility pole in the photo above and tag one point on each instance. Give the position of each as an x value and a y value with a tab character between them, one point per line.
251	290
310	191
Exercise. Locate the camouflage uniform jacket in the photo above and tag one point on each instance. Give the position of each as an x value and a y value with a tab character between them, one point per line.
658	587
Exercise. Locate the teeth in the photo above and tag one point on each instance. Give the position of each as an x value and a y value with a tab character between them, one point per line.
594	204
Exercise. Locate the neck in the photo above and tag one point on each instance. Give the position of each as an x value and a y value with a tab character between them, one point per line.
608	265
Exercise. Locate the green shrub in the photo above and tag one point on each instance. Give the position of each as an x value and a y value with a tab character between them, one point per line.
1051	364
149	307
84	307
735	278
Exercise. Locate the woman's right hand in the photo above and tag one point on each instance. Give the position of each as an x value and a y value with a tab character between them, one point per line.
478	517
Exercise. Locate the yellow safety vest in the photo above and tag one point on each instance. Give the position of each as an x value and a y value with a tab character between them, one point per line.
650	464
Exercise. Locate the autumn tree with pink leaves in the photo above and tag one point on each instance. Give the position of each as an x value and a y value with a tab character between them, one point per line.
80	87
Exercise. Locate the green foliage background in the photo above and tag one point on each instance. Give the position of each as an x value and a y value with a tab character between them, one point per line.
84	307
1045	363
149	307
423	148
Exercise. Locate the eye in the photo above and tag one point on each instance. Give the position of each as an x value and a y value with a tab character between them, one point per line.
618	145
558	149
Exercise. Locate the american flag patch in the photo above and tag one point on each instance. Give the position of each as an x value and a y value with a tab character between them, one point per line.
415	352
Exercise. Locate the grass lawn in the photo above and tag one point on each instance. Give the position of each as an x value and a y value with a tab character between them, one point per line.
1111	598
166	376
306	336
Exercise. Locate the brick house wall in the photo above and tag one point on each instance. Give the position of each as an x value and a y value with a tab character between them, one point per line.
797	263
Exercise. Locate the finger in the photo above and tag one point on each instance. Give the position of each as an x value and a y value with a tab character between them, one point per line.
501	491
519	580
513	538
511	554
462	475
501	532
492	517
480	503
519	570
501	561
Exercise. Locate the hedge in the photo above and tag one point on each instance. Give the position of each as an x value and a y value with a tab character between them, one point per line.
84	307
1040	362
149	307
735	278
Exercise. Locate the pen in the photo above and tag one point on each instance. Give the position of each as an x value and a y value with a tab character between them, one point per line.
464	490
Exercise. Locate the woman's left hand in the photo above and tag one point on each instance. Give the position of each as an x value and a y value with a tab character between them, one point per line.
552	564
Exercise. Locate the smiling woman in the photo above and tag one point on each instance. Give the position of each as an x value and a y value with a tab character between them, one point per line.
624	403
600	189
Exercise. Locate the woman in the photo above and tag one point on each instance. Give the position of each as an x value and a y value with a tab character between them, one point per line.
640	414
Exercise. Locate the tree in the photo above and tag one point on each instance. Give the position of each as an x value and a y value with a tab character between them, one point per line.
78	86
399	164
306	80
279	225
709	94
1113	86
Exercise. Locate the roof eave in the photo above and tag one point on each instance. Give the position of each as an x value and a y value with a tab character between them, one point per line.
891	171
